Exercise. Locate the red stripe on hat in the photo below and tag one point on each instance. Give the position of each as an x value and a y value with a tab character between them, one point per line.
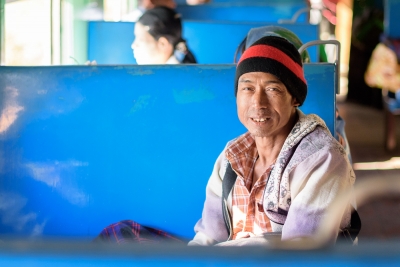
274	53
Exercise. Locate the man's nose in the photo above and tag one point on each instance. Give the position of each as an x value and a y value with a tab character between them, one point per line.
260	98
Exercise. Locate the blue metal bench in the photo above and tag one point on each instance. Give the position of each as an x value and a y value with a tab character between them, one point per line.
85	146
367	253
211	42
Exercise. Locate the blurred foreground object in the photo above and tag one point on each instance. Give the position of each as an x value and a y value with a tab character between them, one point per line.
365	192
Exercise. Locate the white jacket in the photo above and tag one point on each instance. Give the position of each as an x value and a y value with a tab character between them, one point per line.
312	169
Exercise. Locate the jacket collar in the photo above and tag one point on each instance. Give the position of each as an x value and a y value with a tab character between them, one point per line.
304	125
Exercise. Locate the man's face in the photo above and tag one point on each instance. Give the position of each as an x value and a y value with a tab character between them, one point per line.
264	105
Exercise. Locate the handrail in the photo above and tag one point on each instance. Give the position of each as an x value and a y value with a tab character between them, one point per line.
2	33
295	16
337	60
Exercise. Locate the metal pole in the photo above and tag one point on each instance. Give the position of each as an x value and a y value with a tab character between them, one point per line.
337	62
2	33
51	34
61	31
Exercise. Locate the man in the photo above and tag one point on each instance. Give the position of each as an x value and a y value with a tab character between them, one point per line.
286	170
280	176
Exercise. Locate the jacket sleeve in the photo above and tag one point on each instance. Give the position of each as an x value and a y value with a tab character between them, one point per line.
211	229
315	184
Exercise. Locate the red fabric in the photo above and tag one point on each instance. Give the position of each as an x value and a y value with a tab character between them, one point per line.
271	52
128	231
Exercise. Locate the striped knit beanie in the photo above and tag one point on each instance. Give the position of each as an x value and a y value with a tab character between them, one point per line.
275	55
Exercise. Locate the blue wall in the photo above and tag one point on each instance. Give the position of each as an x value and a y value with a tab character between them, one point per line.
210	42
243	11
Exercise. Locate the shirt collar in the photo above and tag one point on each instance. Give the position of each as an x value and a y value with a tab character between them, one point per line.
242	154
240	145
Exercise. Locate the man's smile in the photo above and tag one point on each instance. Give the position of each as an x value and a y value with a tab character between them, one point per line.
263	119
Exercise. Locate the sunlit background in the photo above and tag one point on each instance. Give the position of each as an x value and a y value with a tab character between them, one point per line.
52	32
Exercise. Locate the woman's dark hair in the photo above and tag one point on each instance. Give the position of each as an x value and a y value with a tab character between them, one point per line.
165	22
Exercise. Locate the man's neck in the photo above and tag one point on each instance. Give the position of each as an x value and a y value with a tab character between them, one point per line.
268	149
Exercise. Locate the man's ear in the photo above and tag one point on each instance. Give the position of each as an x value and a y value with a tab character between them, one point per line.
295	103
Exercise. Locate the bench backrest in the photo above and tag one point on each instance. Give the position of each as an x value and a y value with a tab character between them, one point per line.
243	11
210	42
82	147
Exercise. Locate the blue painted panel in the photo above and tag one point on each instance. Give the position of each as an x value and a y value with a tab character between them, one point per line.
242	12
216	42
367	253
391	20
82	147
210	42
110	43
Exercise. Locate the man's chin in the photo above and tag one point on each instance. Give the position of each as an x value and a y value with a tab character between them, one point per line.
259	133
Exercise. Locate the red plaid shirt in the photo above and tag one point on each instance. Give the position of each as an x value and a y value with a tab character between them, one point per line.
248	217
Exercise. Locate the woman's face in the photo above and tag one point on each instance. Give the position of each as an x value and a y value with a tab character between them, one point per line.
146	49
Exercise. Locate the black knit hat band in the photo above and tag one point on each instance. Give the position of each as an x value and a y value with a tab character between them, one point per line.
277	56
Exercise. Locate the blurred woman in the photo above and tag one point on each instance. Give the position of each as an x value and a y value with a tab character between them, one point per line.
158	38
